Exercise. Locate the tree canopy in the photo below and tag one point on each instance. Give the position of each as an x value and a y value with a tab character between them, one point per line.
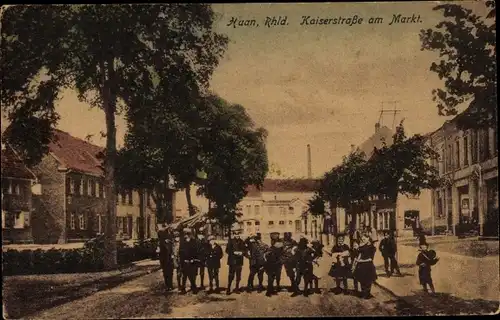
466	44
109	54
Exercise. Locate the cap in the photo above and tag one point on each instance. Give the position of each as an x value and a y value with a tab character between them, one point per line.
201	229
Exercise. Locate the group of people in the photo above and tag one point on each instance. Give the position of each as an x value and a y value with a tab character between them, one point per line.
189	257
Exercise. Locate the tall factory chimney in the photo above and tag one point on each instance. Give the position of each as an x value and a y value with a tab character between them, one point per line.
309	168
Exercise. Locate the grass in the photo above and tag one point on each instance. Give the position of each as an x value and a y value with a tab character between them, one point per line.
26	295
471	248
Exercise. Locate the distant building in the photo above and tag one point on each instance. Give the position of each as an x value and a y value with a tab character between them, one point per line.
469	165
381	213
17	184
71	207
279	206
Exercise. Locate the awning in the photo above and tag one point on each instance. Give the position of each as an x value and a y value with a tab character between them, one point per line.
191	222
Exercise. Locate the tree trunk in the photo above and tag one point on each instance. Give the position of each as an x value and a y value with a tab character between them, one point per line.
141	213
191	210
109	102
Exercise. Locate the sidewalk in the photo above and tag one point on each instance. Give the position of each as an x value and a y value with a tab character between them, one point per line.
463	284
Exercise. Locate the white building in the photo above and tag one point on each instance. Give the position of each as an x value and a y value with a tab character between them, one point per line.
278	207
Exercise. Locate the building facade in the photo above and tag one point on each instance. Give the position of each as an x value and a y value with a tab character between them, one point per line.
18	183
468	163
72	205
382	214
279	206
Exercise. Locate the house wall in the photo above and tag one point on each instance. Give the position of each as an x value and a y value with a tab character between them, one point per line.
468	163
48	220
16	196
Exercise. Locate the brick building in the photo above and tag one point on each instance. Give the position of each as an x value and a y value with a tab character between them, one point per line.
71	207
18	184
469	165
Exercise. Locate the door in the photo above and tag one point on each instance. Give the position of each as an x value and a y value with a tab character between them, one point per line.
148	227
130	226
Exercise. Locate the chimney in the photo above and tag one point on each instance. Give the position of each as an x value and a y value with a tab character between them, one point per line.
377	127
309	169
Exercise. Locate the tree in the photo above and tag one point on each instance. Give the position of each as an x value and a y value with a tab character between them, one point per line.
403	168
105	53
466	44
234	157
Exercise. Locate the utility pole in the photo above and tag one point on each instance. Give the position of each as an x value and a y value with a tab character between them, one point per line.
394	112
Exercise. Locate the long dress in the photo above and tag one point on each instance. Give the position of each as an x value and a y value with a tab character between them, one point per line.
365	272
340	267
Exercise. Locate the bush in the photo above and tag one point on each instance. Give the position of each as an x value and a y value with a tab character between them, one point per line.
87	259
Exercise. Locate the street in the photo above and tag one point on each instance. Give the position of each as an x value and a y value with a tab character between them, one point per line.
145	298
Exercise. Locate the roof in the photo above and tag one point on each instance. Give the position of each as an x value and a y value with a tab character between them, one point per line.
284	185
76	154
383	134
13	166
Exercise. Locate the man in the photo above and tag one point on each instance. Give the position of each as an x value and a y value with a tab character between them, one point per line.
255	257
202	248
188	256
288	244
176	259
306	256
165	254
214	255
273	267
235	250
388	250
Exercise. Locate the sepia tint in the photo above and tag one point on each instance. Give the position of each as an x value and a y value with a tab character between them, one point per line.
249	160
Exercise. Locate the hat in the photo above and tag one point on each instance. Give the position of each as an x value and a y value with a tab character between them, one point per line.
186	230
201	229
211	238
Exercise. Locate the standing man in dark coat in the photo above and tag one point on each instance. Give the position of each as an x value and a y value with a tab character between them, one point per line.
388	250
202	249
189	256
273	267
235	250
290	266
306	256
214	255
165	254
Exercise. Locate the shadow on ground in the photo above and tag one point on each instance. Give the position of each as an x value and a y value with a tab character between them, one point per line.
445	304
25	296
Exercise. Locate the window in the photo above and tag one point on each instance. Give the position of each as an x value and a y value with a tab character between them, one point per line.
81	221
466	151
103	191
282	222
71	186
7	186
486	150
449	164
80	187
298	226
257	223
412	218
99	223
291	210
124	225
17	189
282	211
72	222
271	223
130	199
98	190
457	151
19	220
249	223
474	147
249	209
290	222
124	197
257	210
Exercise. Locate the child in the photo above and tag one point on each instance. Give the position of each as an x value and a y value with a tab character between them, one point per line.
339	270
426	258
354	255
214	255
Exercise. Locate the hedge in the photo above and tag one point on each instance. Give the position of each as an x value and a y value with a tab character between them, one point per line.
86	259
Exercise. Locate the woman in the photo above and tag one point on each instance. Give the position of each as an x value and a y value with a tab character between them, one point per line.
364	269
340	266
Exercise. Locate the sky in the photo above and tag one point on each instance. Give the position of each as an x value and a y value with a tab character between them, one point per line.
322	85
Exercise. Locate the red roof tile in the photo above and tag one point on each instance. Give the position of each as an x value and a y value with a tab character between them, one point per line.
284	185
76	154
13	166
